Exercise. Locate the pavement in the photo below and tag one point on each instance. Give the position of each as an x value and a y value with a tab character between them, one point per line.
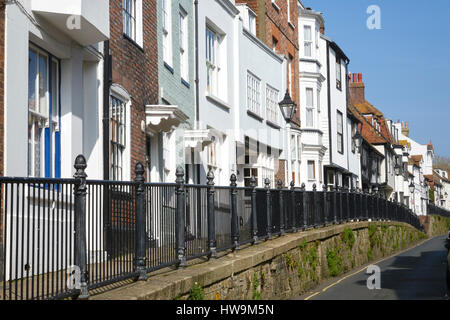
415	274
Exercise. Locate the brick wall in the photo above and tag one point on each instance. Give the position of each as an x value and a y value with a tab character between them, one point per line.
136	70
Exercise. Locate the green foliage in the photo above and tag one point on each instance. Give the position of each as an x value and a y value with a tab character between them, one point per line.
334	261
431	195
348	238
256	293
196	292
290	262
303	245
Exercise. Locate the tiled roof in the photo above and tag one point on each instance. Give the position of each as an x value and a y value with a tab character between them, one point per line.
370	134
383	135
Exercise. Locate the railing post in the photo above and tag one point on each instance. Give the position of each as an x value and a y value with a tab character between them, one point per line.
234	216
305	207
254	212
141	257
334	191
280	188
268	208
80	191
353	196
211	216
180	218
315	206
325	205
294	207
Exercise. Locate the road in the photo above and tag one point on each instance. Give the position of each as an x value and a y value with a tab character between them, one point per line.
416	274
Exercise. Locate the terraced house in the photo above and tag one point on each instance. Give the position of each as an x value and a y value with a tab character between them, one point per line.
174	116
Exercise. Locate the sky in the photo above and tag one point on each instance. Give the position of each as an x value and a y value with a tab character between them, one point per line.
405	64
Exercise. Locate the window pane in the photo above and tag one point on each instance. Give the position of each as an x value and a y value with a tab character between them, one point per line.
309	117
32	67
55	106
309	97
307	33
311	173
43	85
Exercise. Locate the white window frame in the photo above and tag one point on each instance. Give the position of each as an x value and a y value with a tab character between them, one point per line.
309	108
253	93
184	45
212	61
251	22
338	73
340	132
313	178
167	31
39	119
308	43
129	18
272	100
119	93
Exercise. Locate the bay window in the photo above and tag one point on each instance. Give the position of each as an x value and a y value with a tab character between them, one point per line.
307	41
43	114
309	108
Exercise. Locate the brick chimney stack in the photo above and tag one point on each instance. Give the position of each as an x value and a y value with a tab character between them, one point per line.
357	89
322	28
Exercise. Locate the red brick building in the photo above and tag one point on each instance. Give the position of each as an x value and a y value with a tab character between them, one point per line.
134	58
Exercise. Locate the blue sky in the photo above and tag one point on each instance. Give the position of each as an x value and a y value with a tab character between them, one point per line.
405	65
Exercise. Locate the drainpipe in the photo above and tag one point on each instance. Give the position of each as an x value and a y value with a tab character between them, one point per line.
197	102
107	80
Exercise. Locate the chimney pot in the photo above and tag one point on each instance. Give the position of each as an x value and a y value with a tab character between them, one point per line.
359	77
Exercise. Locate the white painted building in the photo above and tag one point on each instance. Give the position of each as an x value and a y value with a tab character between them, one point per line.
53	86
259	126
218	98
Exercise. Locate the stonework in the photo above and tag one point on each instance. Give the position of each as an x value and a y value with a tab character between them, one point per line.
281	268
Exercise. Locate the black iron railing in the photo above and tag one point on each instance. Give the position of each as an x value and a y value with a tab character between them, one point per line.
64	237
432	209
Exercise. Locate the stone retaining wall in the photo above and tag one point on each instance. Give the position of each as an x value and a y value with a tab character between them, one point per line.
277	269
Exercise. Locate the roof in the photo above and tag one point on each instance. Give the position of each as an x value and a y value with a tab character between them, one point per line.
369	133
384	135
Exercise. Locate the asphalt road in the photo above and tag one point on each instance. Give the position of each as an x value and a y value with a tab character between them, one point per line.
417	274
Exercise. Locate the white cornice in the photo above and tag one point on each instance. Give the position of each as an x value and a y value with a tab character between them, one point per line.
229	7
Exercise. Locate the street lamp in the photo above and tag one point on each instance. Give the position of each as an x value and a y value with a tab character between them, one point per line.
412	188
357	138
397	169
288	107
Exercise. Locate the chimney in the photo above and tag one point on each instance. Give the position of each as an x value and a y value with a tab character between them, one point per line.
357	88
405	129
322	28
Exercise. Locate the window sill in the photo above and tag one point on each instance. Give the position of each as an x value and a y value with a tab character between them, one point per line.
276	6
291	25
185	83
168	67
219	102
255	115
273	125
137	45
